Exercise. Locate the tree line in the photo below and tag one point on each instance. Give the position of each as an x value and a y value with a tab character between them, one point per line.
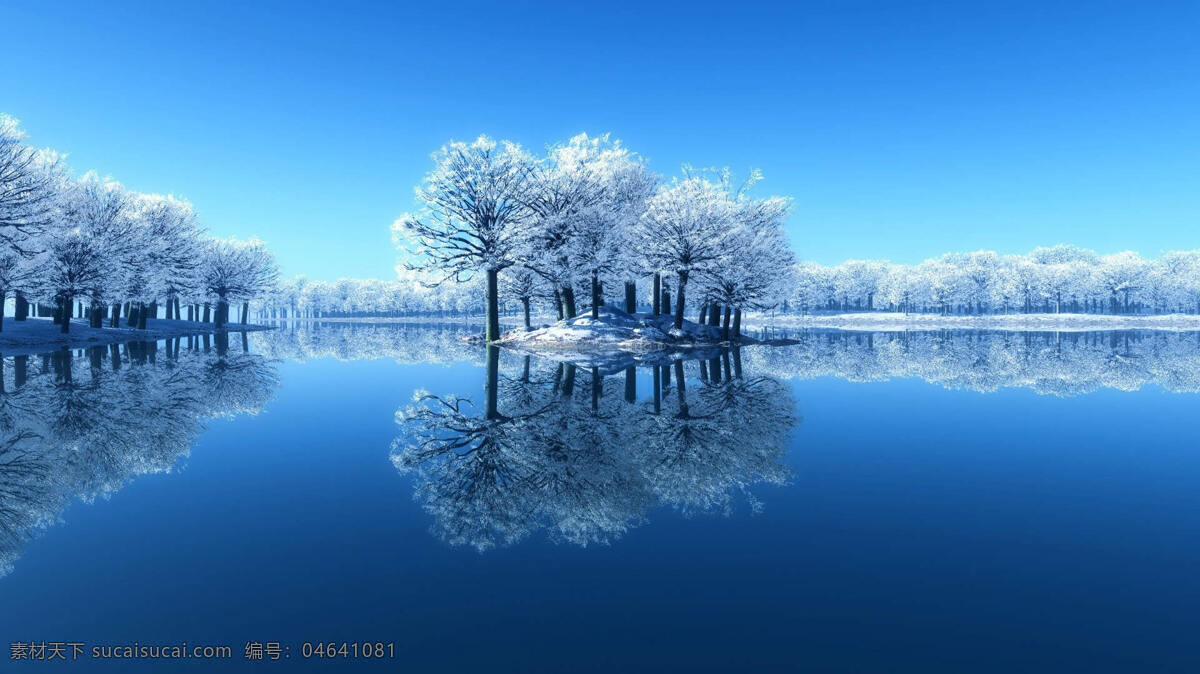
88	247
1055	279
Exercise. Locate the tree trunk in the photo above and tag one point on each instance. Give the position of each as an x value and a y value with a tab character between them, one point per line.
21	311
714	314
143	311
737	324
595	296
3	301
525	307
206	312
115	320
245	312
569	301
703	313
656	300
680	300
558	303
725	325
493	306
666	302
65	314
221	315
631	297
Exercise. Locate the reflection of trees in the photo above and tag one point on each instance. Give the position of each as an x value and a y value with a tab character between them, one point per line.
83	423
574	452
1060	364
403	342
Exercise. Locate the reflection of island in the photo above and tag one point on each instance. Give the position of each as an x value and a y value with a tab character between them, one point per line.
1060	364
579	454
82	423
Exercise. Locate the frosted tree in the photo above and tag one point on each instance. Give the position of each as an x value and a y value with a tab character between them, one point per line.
29	185
171	249
475	216
684	230
84	250
234	270
574	180
753	269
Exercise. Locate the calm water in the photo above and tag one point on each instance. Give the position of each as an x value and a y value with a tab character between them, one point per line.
960	502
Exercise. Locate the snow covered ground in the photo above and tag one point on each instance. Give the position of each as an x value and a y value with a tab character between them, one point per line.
884	322
39	335
615	336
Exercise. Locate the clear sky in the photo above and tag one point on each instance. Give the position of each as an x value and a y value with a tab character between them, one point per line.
901	129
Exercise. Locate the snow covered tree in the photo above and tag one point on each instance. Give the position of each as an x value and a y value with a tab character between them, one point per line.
234	270
29	185
684	230
475	215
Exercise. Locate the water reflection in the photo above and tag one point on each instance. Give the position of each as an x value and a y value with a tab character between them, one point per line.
583	456
83	423
1052	363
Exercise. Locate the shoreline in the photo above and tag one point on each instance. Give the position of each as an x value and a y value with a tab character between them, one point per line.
40	335
898	322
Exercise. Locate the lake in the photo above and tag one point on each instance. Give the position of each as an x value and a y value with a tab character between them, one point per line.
852	502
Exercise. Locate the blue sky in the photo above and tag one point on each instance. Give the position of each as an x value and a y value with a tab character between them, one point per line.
901	129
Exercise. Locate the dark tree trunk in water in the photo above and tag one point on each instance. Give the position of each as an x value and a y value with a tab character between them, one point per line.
631	297
725	325
568	387
681	299
493	306
657	390
681	389
631	384
737	324
569	301
493	381
656	300
20	370
21	310
525	308
597	388
595	296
